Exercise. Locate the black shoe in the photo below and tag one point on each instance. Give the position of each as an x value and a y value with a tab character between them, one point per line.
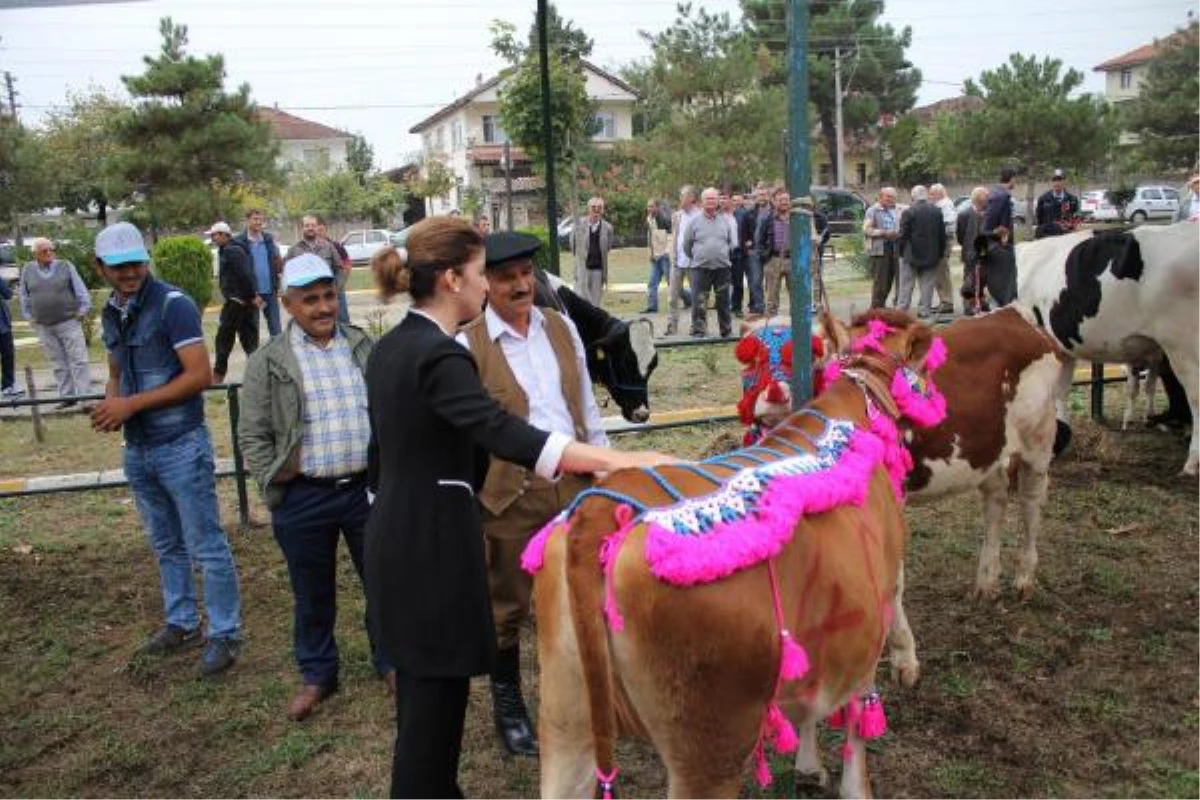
648	311
219	655
512	719
168	640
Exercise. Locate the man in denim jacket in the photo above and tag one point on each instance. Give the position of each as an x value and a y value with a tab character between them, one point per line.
157	369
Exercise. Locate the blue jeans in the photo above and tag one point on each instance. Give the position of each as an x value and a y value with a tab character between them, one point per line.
175	489
754	280
307	525
658	271
270	311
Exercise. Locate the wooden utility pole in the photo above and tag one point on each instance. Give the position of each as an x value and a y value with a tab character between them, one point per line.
798	176
547	136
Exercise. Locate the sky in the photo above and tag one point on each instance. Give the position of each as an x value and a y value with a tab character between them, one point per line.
377	67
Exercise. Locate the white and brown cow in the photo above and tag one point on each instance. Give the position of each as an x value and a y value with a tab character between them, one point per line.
690	604
1121	297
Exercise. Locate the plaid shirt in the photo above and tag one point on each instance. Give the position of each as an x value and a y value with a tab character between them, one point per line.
336	425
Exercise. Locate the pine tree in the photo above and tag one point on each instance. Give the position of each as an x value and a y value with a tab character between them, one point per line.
188	143
1164	114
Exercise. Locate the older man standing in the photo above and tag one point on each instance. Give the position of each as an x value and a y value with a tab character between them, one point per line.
590	242
882	229
967	227
922	246
532	362
708	242
678	293
945	287
998	227
54	299
305	433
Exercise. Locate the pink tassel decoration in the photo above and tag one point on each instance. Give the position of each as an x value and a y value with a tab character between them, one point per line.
606	782
873	722
837	720
762	771
793	660
782	733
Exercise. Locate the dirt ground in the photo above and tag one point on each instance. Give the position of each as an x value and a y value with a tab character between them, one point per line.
1087	689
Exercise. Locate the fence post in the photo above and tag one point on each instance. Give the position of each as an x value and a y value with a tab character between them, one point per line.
1097	391
239	467
39	430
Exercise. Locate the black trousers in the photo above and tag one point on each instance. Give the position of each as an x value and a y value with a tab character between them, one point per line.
8	361
1001	274
240	320
737	274
429	726
718	281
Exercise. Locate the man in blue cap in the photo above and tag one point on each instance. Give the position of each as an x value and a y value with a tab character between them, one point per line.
157	371
304	433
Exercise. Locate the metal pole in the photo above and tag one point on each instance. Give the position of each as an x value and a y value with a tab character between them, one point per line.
547	136
508	183
239	466
1097	391
837	90
800	231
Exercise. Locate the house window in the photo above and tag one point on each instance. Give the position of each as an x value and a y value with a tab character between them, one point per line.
456	135
860	172
1126	78
492	132
317	158
606	126
427	140
441	138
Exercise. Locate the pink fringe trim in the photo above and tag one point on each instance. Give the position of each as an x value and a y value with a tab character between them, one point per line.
925	412
762	771
873	722
623	516
779	731
731	546
937	355
793	661
534	555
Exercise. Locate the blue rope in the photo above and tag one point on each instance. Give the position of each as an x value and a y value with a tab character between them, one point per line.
768	450
663	483
703	473
600	491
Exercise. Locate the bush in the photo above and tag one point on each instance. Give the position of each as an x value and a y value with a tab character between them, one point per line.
186	262
541	258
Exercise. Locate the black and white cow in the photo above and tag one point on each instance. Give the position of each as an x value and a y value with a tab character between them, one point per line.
620	355
1120	297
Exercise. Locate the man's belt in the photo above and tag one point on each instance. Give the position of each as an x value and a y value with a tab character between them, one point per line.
343	482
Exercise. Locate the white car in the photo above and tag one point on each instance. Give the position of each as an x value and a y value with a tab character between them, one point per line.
1152	202
1094	205
361	245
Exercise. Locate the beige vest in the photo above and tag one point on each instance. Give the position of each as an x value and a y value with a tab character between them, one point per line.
507	481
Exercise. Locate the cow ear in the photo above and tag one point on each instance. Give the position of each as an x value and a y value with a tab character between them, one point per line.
920	337
835	332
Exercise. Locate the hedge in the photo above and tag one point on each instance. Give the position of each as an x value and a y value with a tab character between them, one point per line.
186	262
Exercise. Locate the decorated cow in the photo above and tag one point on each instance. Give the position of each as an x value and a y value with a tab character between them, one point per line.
765	352
710	607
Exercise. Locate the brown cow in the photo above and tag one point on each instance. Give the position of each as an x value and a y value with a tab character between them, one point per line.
766	577
999	383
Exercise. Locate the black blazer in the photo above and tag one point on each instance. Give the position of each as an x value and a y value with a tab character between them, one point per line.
432	425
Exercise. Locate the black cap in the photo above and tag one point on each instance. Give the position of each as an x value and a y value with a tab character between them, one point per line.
1058	175
501	248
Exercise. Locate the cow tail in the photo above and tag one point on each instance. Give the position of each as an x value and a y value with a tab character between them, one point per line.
586	585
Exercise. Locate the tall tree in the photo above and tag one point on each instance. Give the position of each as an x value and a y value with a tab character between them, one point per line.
1029	120
1164	113
24	185
360	157
82	153
188	142
877	77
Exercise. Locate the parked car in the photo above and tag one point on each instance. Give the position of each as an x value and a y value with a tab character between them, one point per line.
10	271
844	208
565	226
398	238
1094	205
1152	202
361	245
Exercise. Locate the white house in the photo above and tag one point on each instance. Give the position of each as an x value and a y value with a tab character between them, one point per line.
467	137
304	143
1123	75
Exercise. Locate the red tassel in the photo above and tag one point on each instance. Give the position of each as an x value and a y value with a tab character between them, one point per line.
818	348
785	355
793	660
873	722
783	734
747	349
837	720
775	392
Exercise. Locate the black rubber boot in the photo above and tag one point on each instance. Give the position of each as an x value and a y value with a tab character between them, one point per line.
508	706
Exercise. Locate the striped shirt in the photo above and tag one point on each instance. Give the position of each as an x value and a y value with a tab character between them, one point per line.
336	430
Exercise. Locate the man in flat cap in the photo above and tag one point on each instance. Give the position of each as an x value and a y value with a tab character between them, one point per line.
532	362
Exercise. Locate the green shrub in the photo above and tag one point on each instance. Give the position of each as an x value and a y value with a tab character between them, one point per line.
186	262
541	258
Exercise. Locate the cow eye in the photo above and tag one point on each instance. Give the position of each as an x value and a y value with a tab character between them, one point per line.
599	354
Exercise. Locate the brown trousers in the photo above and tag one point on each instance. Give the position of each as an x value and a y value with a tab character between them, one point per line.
505	537
778	271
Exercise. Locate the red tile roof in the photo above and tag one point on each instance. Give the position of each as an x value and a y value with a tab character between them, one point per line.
285	126
1134	57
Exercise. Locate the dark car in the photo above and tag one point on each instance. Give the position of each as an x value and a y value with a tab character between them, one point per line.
844	208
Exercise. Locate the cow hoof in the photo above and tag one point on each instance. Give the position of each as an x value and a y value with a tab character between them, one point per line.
989	593
813	784
906	675
1025	589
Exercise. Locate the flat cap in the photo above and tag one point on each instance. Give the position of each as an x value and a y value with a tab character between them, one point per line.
500	248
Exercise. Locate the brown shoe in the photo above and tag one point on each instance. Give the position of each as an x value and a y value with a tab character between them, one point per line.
307	699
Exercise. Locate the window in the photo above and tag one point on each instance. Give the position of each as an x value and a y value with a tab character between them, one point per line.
441	138
492	132
427	141
456	135
860	172
1170	194
317	158
353	240
1126	78
606	126
1151	194
376	237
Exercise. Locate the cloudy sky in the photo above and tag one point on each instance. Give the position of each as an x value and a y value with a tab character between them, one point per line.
377	67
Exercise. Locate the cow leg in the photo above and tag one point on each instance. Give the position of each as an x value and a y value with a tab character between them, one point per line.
1033	481
810	772
994	491
1149	391
905	667
1132	386
855	780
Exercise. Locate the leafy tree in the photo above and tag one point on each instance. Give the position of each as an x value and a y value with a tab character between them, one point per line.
23	180
360	157
1164	113
432	179
572	113
187	142
877	78
1029	120
81	153
344	195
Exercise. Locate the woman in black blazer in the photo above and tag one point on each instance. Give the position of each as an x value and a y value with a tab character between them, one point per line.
433	425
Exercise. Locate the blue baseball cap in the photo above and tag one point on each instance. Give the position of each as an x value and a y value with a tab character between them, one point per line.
121	243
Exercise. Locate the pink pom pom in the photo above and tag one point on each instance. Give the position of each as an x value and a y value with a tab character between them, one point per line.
937	355
793	660
762	772
873	722
783	735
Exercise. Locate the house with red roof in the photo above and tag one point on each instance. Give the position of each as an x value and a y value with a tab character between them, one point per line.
306	144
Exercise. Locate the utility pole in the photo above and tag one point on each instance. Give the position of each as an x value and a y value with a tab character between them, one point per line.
508	183
837	93
10	88
547	135
12	94
798	176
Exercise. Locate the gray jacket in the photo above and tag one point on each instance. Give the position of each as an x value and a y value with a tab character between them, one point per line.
875	223
708	242
580	233
272	420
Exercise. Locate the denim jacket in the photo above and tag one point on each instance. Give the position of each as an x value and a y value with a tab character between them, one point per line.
141	338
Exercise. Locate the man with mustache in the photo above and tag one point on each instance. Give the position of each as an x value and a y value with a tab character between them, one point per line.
304	433
532	362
